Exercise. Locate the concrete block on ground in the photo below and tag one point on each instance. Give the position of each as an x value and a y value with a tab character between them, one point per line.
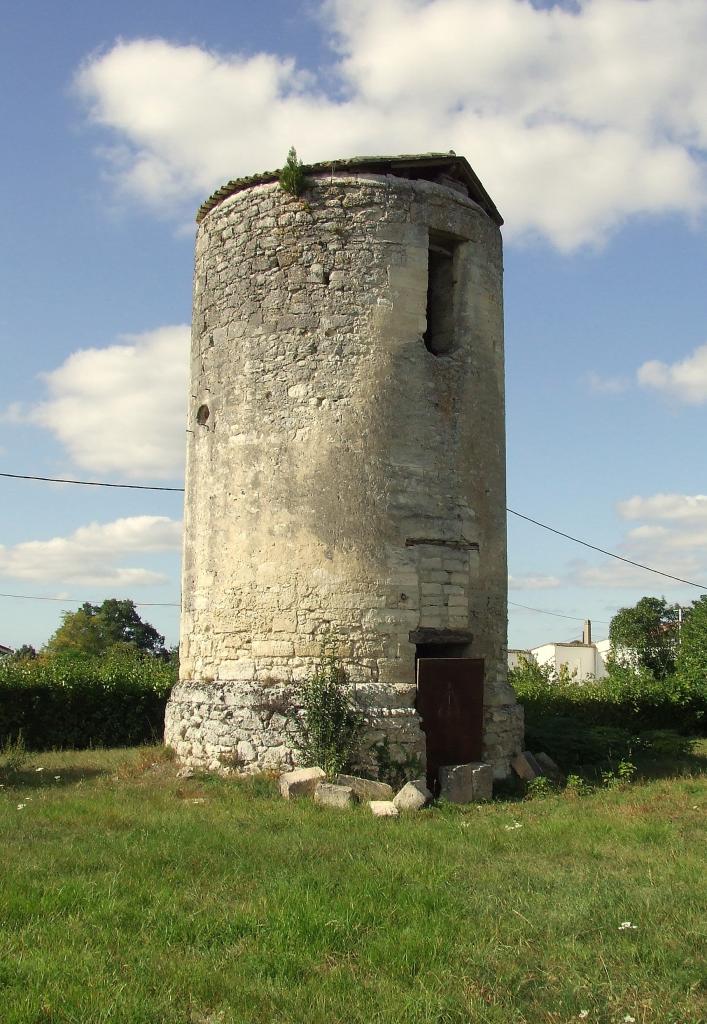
302	782
365	789
383	808
466	783
525	766
547	764
413	796
331	795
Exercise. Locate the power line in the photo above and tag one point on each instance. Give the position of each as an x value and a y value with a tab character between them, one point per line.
557	615
611	554
73	600
172	604
90	483
528	519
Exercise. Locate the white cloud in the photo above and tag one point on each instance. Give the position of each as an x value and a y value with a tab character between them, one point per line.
606	385
12	413
574	119
672	538
685	381
617	575
89	555
122	409
621	576
665	506
533	582
675	531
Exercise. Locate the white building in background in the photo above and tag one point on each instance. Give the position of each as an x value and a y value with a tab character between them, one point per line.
583	658
516	657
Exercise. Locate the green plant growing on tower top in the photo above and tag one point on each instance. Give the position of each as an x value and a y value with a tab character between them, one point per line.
292	177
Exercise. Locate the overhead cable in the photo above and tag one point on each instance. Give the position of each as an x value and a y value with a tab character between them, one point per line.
528	519
74	600
90	483
611	554
558	615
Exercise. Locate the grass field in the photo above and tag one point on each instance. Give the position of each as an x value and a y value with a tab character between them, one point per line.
128	895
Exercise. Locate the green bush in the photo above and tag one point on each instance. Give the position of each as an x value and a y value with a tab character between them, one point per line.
574	745
13	754
628	699
396	771
328	721
115	700
666	744
292	177
596	725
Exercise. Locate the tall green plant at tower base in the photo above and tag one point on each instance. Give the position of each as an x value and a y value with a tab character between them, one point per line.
329	722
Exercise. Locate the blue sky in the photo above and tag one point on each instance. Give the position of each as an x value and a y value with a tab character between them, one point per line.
587	123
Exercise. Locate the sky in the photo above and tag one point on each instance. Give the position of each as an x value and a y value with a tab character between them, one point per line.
586	122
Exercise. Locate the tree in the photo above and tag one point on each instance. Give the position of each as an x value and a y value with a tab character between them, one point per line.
691	661
646	636
94	629
24	653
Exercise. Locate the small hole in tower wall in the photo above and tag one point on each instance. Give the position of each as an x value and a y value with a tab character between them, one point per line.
439	337
202	415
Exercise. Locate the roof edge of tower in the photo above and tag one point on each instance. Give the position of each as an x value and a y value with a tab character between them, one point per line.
426	166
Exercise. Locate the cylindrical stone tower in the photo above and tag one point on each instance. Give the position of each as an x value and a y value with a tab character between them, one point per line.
345	461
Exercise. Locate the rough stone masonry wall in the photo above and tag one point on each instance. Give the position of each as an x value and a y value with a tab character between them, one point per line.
339	475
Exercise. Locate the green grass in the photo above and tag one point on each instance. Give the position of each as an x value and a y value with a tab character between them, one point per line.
128	895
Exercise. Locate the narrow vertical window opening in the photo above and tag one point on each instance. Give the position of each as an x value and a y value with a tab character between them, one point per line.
439	336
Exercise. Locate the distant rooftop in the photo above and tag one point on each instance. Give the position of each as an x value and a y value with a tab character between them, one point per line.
427	166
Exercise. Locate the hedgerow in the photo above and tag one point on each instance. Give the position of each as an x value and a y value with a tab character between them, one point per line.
627	698
53	703
597	722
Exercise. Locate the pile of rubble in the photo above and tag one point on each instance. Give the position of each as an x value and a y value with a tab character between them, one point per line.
529	766
459	783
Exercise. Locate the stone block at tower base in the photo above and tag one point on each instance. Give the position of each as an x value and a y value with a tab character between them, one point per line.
466	783
413	796
302	782
333	796
365	789
383	809
526	767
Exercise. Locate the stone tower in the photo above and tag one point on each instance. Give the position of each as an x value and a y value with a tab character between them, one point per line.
346	462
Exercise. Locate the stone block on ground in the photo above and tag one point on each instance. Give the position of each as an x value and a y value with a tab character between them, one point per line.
525	766
466	783
365	789
331	795
383	808
413	796
302	782
547	764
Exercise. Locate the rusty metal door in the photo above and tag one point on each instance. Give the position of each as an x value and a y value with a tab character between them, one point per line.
450	700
